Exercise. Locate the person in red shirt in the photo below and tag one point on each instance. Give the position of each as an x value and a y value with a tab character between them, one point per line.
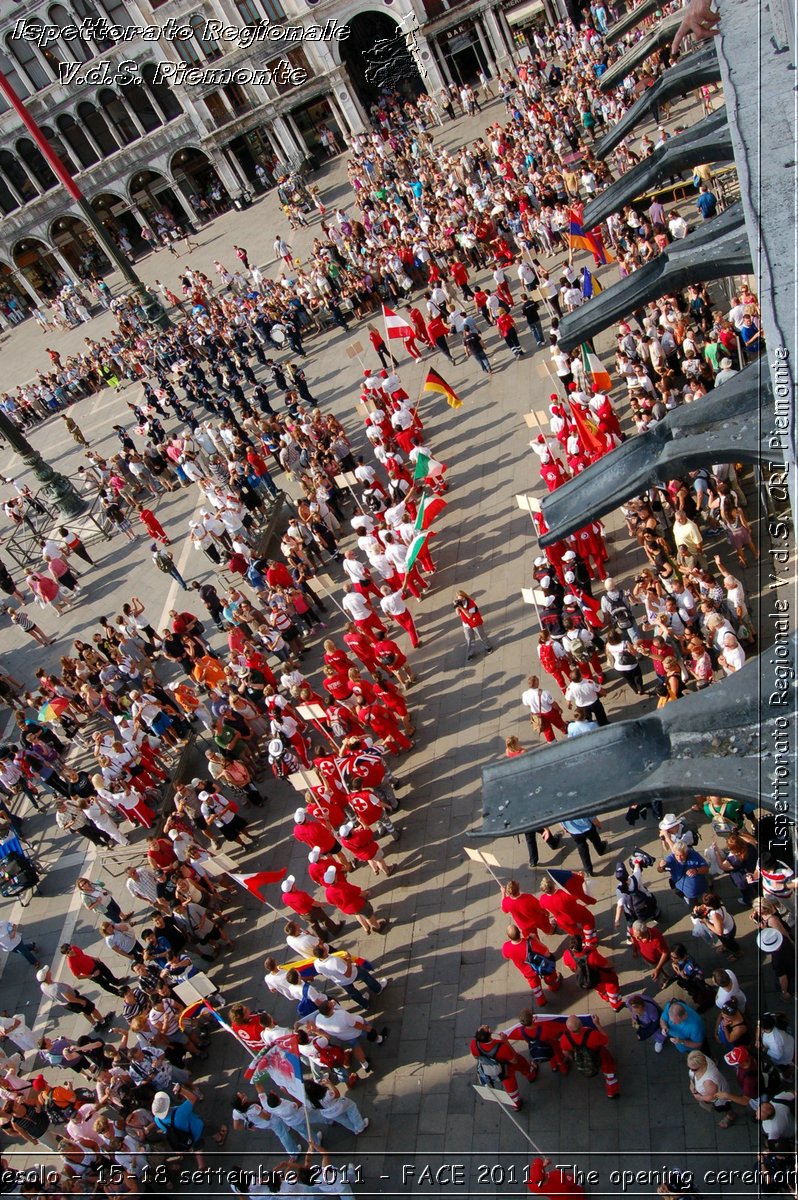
525	910
338	685
317	833
278	575
420	326
361	645
552	663
551	1183
516	948
305	906
380	349
577	1035
543	1041
318	865
438	330
389	657
649	944
506	327
370	809
153	526
334	657
458	272
83	966
497	1062
392	698
578	955
352	901
571	916
161	855
468	612
361	843
384	726
248	1027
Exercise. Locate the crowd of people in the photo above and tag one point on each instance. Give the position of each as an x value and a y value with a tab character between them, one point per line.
283	699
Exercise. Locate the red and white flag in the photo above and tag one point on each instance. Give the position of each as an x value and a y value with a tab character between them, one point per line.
260	879
396	326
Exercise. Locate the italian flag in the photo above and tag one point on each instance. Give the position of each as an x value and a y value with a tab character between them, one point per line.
428	509
437	384
396	326
595	371
421	470
414	549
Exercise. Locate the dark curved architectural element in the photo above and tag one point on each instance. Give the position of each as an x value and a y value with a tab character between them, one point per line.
715	249
631	19
708	141
691	72
719	741
657	39
724	426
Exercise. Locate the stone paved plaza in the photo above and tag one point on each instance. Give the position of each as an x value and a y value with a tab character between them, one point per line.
442	949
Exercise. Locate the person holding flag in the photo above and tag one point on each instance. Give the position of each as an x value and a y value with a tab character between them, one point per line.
471	618
398	327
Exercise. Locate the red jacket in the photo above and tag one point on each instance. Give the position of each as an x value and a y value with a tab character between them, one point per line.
346	897
313	833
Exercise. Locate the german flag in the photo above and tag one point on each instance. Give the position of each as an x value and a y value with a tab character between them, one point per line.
435	383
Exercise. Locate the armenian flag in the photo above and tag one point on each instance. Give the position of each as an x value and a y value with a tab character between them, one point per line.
580	238
436	383
595	370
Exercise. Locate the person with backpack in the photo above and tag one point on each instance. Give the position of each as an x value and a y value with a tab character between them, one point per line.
542	1037
586	1049
498	1064
182	1127
633	899
533	960
593	971
164	562
616	604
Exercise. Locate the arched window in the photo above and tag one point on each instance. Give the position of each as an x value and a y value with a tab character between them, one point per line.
116	12
8	67
188	51
138	102
77	141
208	46
8	202
16	176
163	95
75	47
60	148
36	163
118	117
96	125
25	55
87	10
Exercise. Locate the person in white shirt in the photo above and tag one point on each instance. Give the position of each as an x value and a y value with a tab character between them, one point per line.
544	712
16	1030
585	694
344	971
677	225
347	1029
728	988
358	609
393	605
248	1114
304	945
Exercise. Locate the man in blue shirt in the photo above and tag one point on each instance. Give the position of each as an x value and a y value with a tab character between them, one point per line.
584	830
707	203
683	1026
581	724
687	870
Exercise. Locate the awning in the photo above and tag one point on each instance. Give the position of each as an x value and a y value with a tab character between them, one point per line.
524	12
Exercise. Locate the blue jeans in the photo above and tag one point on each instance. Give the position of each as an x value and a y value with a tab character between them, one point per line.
285	1136
26	950
363	976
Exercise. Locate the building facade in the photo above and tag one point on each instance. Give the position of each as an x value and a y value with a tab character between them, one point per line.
141	141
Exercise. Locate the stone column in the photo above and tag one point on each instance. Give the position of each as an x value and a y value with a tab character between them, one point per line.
301	144
286	138
66	267
489	56
497	38
430	72
440	60
227	173
21	278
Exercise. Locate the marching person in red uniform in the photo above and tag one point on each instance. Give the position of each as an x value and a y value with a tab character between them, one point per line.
497	1062
392	698
517	949
390	658
553	659
542	1038
363	846
361	645
393	605
303	904
468	612
549	1184
385	727
571	916
352	901
577	1038
525	910
597	971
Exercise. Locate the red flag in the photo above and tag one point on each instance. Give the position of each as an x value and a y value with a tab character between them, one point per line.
433	505
259	879
396	326
587	432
